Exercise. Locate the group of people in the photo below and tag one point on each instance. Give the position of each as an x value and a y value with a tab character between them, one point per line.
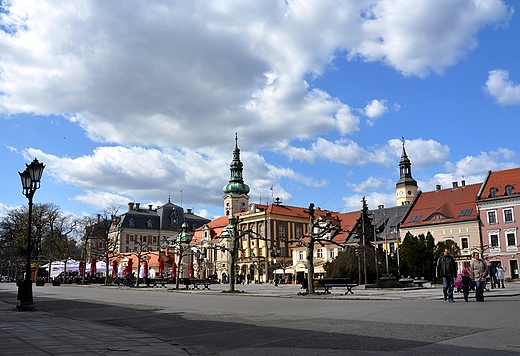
474	276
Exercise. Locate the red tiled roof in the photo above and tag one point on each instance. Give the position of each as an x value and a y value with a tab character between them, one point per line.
500	180
287	210
443	206
216	226
348	220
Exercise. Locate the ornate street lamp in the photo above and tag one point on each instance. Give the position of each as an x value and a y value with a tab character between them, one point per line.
30	177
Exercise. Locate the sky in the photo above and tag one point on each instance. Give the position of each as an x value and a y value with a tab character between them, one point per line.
140	101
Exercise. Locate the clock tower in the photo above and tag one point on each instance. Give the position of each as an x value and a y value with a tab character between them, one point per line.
236	199
406	187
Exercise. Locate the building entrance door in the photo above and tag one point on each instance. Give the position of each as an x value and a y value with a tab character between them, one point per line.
513	265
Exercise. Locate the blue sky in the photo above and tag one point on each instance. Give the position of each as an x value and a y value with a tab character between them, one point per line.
135	101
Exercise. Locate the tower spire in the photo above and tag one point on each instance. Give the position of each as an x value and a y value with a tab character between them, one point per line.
236	190
406	187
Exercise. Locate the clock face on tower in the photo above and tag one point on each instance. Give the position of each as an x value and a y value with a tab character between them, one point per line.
401	193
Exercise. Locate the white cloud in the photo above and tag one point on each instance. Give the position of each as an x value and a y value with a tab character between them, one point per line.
103	200
371	183
4	209
373	199
109	179
471	169
422	153
505	91
169	74
418	37
375	109
112	173
181	77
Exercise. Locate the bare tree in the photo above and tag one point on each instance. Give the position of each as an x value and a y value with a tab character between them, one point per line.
321	231
181	245
104	235
141	251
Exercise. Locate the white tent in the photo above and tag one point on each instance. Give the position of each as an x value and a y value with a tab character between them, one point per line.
100	267
56	267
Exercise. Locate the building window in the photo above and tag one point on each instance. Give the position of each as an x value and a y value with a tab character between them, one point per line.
332	253
131	238
319	253
465	212
298	231
493	192
493	240
492	217
415	218
154	239
392	247
301	256
261	230
508	215
464	243
281	232
511	239
509	190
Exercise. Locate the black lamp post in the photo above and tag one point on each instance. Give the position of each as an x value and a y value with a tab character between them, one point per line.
30	177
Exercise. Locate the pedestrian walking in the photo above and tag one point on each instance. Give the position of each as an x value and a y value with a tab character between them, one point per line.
492	273
447	269
466	283
478	272
500	275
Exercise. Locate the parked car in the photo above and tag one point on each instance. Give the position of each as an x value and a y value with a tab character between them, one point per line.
7	279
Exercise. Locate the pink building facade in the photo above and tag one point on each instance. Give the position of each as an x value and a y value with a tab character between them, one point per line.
498	203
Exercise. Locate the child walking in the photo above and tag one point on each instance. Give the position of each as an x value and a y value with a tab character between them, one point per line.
466	283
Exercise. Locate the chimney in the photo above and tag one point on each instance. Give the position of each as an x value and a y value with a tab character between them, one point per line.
130	206
463	183
150	206
455	185
188	211
137	206
437	187
98	218
380	206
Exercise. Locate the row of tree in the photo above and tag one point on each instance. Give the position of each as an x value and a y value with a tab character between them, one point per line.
417	259
56	236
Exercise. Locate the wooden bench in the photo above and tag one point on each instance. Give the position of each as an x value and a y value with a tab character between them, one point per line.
159	282
196	282
327	283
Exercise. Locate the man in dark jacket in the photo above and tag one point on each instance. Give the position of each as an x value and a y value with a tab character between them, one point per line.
447	269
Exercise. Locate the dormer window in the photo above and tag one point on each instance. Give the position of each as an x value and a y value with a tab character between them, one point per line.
509	190
493	192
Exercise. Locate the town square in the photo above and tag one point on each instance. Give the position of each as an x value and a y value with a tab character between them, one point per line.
270	177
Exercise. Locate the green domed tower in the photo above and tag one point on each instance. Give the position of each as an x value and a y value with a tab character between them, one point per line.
236	198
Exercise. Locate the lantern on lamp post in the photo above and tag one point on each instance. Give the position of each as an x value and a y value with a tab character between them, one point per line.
30	177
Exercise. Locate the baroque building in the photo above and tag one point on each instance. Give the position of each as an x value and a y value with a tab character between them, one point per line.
498	203
448	214
148	229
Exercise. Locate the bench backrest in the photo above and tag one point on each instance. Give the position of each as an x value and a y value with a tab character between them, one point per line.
334	281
